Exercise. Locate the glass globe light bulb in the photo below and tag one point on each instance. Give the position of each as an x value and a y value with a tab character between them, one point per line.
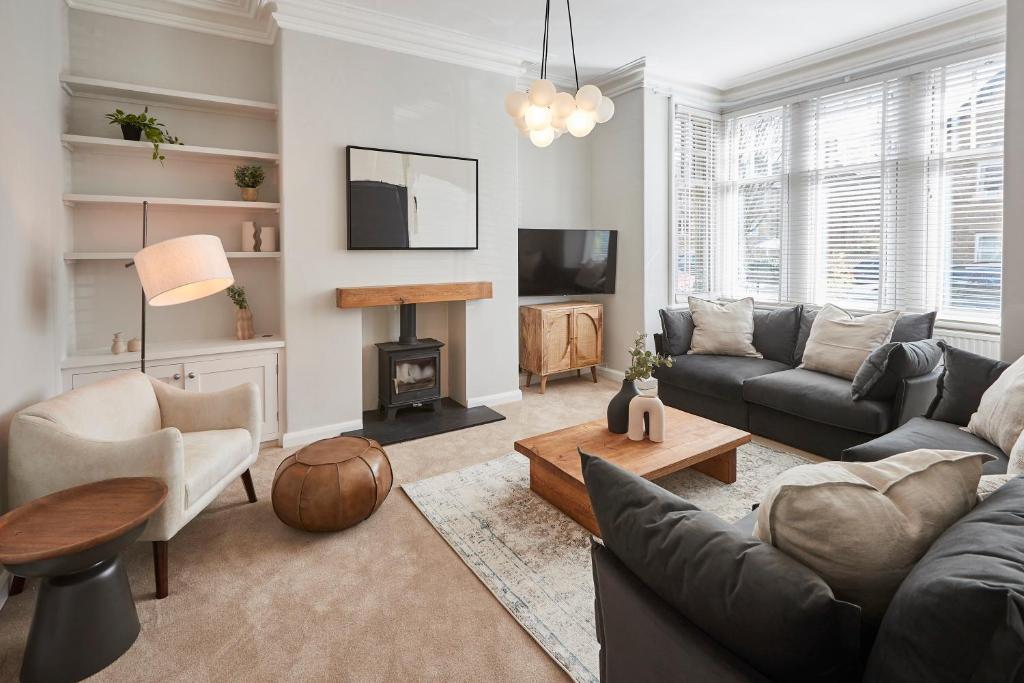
516	103
542	137
542	92
580	123
538	118
605	110
588	97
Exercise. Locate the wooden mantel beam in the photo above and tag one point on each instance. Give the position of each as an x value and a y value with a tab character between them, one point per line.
393	295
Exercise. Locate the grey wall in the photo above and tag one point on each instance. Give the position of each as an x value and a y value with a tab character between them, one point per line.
1013	187
335	94
32	216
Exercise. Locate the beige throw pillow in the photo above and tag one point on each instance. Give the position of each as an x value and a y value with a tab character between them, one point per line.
723	329
839	343
863	526
1000	416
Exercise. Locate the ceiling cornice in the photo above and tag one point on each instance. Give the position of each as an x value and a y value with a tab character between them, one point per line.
388	32
639	74
238	19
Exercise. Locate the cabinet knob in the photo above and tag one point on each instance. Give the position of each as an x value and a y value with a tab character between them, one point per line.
191	375
177	375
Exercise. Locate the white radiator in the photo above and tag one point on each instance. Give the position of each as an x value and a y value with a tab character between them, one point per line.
981	343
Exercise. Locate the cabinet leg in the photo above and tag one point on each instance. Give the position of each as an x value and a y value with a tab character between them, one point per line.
529	378
543	383
593	373
578	371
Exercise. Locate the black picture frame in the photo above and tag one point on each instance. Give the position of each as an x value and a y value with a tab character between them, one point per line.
348	199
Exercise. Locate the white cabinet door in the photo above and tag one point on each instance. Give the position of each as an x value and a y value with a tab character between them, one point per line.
224	373
173	374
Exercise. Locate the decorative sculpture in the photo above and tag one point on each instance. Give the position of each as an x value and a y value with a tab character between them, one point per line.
649	410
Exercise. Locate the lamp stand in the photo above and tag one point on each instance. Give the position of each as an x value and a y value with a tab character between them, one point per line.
145	240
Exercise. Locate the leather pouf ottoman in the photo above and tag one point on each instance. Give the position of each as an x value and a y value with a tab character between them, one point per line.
331	484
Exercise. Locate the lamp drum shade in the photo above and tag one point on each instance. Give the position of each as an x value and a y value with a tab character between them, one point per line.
183	269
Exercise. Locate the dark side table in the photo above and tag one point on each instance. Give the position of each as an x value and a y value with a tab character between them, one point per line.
85	617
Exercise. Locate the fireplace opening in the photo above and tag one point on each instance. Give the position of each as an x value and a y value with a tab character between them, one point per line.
409	371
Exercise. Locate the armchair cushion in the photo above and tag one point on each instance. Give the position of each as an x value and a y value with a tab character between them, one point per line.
210	456
190	411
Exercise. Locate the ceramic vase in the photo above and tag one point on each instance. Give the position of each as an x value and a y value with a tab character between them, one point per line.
134	345
646	419
267	239
250	194
117	344
248	236
618	407
243	324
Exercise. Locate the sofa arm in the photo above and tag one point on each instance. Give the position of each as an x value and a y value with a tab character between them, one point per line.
194	411
915	395
44	458
644	640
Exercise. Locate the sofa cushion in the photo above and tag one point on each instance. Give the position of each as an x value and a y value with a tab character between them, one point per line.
807	316
775	331
677	331
818	397
862	526
1000	415
887	366
210	456
718	376
911	327
920	432
840	342
944	617
965	378
765	607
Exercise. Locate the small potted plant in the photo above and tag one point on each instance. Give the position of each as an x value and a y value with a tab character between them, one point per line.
641	368
243	316
135	126
249	178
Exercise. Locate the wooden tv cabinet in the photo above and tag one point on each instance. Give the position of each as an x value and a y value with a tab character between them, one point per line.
560	337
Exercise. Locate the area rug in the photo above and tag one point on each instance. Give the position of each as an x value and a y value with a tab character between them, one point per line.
536	560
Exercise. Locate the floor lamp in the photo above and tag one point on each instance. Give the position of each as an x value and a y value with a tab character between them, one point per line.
179	270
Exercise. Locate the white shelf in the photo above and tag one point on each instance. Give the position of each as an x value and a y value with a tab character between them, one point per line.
114	146
129	255
98	87
163	351
112	200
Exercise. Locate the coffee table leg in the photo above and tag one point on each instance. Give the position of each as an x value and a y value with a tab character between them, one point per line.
564	492
721	467
82	623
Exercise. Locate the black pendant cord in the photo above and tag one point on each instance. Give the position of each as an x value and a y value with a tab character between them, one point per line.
544	47
572	42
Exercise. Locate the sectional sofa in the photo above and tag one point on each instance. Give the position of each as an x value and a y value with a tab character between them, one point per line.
773	397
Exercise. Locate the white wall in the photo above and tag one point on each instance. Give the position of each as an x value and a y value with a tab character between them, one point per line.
617	201
1012	338
657	154
335	94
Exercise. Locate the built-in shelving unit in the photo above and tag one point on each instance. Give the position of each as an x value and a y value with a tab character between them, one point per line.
93	143
159	351
84	86
72	199
128	255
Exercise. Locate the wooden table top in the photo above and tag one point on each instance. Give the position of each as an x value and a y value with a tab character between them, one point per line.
78	518
688	438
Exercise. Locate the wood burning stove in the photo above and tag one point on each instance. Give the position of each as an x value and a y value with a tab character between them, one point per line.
409	370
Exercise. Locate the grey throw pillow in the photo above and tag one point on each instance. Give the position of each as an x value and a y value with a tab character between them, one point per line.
775	332
807	316
677	331
914	327
765	607
880	375
965	378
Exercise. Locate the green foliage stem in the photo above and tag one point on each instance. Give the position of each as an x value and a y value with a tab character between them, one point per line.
644	361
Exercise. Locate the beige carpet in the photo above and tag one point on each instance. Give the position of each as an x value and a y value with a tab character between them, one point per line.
388	600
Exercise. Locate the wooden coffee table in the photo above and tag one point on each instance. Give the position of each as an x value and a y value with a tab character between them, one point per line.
690	441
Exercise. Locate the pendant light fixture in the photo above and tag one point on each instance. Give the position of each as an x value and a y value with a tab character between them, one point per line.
544	114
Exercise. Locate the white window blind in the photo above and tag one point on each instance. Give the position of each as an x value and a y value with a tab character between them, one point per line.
693	203
884	195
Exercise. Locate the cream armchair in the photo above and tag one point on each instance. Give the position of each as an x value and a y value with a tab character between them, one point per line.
135	426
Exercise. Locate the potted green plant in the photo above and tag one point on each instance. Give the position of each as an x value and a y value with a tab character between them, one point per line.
641	367
243	316
249	178
135	126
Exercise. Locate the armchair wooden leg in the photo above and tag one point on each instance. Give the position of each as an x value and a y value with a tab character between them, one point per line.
160	567
17	585
250	490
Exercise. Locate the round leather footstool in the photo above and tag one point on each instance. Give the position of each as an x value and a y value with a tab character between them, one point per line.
332	484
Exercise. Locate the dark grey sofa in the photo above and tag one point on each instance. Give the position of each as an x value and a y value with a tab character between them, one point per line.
680	597
773	397
964	378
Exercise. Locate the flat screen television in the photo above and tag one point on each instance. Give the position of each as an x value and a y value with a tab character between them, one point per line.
556	262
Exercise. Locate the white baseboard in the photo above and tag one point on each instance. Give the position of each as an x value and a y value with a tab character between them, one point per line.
495	399
617	375
301	438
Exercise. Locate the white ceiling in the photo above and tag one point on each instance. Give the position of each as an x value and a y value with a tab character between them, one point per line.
711	42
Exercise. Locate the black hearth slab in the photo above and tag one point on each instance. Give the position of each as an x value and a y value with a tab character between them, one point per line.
416	423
